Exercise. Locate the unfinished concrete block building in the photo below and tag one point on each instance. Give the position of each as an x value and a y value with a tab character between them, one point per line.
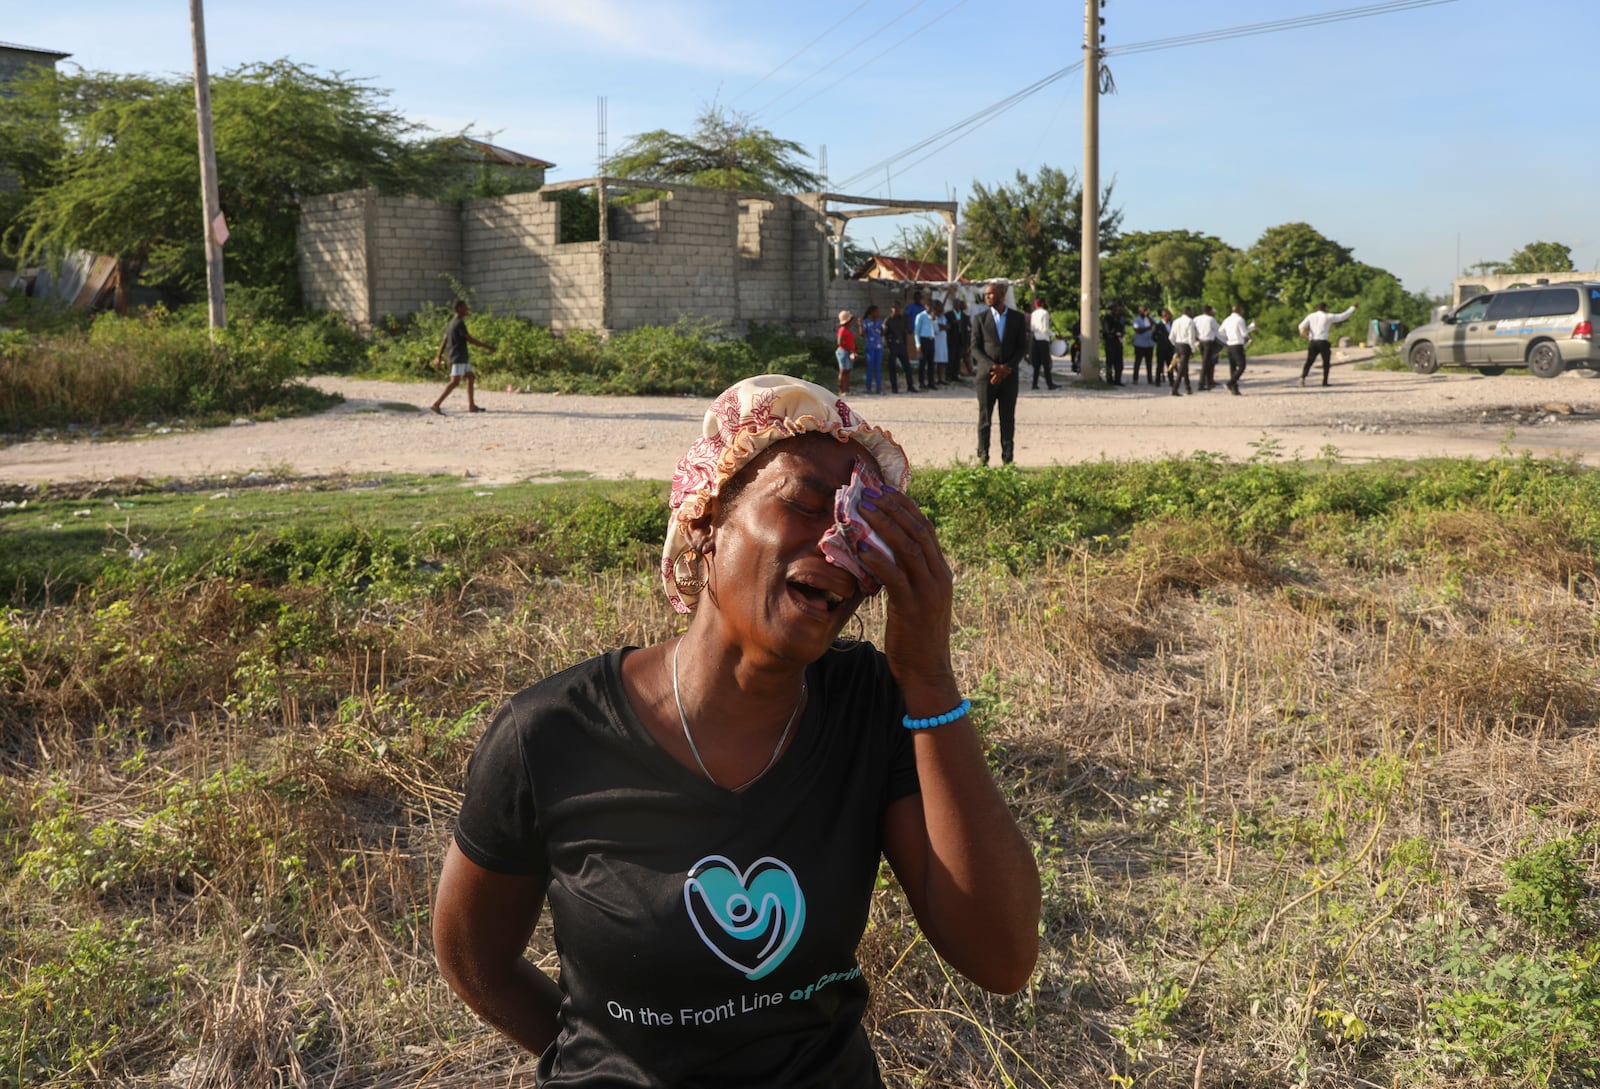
740	258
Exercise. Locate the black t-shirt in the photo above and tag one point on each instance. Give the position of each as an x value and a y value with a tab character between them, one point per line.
455	341
706	938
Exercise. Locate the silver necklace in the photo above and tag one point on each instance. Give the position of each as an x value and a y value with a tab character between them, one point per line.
683	720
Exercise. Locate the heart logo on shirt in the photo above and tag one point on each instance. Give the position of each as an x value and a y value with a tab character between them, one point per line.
750	920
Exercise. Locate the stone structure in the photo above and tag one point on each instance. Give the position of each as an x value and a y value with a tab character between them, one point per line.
1467	286
739	258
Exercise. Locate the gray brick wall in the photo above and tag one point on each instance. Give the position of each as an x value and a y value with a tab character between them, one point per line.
331	238
414	248
737	258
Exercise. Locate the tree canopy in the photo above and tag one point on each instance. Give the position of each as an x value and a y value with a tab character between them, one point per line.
1538	257
110	163
726	151
1169	267
1032	228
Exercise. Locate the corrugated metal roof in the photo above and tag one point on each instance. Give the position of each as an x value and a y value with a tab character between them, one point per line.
34	49
905	268
504	156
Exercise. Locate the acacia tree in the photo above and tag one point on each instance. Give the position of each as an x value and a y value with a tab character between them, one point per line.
1033	228
726	151
1538	257
109	163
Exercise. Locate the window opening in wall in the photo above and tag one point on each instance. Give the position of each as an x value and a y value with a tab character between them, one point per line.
751	215
635	215
580	214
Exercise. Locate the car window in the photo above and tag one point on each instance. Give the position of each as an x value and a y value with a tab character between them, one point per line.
1554	301
1474	310
1511	305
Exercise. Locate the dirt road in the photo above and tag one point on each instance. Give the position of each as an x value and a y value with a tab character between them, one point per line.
384	427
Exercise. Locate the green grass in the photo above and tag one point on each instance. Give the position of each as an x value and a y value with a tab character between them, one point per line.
1305	752
52	546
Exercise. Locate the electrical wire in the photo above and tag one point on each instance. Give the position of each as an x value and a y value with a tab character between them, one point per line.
837	58
960	128
950	134
798	52
1324	18
868	63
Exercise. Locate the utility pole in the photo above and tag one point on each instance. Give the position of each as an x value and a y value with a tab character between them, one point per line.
210	201
1089	300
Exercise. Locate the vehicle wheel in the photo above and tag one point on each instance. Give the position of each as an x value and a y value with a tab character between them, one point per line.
1423	359
1490	372
1544	359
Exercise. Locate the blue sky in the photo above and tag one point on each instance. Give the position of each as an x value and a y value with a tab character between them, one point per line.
1465	128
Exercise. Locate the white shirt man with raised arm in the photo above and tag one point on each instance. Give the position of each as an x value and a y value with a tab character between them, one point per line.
1317	327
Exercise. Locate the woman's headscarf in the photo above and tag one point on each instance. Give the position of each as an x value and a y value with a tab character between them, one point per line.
744	420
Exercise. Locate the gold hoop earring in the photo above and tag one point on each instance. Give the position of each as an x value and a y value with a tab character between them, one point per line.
692	581
860	636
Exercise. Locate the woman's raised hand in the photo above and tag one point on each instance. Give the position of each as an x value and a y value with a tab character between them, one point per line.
919	583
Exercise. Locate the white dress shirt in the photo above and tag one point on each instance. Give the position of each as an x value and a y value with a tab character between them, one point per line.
1234	331
1206	327
1182	331
1319	323
1039	322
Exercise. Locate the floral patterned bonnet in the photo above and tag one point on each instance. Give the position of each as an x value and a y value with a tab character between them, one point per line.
744	420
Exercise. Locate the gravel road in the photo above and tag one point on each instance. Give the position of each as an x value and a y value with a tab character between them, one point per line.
384	427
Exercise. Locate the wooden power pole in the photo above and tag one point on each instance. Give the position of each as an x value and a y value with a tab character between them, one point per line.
1089	300
211	202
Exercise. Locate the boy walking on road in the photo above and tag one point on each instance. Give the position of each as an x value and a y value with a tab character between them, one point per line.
456	339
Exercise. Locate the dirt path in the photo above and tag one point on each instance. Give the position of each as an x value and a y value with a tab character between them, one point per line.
384	427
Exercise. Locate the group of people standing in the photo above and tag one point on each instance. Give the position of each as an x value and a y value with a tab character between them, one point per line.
943	339
1164	346
992	347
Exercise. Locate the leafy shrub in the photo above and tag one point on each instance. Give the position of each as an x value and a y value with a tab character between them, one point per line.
691	356
128	370
1547	887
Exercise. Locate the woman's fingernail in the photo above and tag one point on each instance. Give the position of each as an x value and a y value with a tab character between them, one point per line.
874	492
891	488
867	503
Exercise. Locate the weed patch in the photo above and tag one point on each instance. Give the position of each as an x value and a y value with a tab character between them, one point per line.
1305	754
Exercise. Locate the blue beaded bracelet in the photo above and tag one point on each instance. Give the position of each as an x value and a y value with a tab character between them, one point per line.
937	720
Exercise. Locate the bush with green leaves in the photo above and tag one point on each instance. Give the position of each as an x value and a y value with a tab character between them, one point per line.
691	356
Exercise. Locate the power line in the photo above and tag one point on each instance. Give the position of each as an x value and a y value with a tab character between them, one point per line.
960	128
868	63
798	52
1276	26
861	41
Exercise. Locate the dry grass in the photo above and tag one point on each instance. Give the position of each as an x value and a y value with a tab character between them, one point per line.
1252	787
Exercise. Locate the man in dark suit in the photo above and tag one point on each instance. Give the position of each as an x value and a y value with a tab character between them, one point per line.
1000	341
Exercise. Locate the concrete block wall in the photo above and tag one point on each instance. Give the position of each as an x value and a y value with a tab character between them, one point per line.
689	266
573	287
331	238
635	222
507	245
414	248
766	247
739	258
